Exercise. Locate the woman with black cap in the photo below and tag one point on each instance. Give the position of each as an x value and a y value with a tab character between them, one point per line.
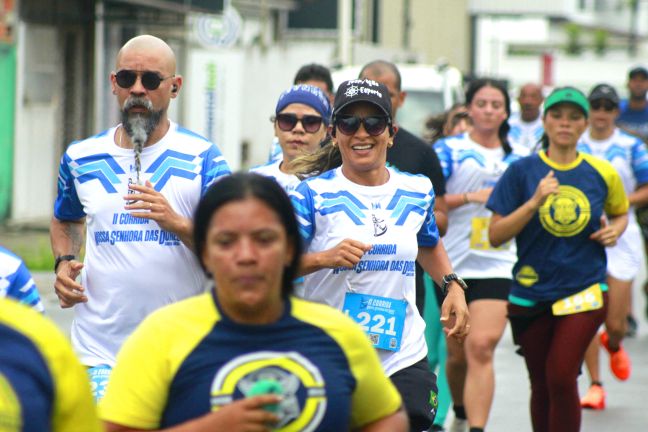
628	156
563	208
364	224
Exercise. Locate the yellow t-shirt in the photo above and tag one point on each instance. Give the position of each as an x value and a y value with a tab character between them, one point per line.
43	387
188	359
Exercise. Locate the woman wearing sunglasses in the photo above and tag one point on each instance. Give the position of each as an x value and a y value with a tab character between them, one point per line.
563	208
247	355
472	163
364	224
628	156
302	114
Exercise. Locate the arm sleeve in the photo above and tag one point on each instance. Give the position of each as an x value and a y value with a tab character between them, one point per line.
304	206
617	201
507	194
138	388
428	235
67	205
214	167
375	396
640	162
434	172
23	288
444	153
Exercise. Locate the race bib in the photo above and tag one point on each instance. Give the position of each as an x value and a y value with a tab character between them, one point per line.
589	299
479	235
382	318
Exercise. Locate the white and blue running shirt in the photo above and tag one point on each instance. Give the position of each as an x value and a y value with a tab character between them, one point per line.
628	156
16	282
469	167
271	169
526	134
132	267
395	218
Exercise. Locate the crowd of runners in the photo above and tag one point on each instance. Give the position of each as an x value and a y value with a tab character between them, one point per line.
206	300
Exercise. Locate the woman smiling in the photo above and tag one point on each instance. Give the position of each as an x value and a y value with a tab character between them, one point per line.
364	224
247	356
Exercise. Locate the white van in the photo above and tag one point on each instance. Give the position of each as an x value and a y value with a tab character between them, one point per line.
430	90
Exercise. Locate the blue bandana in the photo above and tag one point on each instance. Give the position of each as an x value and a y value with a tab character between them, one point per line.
307	95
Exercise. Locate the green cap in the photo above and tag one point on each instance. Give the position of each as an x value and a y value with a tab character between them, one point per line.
567	95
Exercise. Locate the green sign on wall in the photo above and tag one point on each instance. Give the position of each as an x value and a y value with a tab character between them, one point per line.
8	90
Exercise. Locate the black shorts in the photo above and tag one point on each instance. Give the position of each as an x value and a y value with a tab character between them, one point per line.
418	388
481	289
642	219
488	289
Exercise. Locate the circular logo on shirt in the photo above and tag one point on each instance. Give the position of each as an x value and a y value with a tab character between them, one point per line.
10	411
303	403
526	276
566	213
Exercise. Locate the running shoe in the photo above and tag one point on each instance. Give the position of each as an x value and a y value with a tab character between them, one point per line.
620	363
631	330
594	398
459	425
437	428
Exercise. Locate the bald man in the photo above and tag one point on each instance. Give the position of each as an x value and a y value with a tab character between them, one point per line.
131	191
526	126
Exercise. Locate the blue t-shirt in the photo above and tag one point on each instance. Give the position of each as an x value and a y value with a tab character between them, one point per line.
633	120
556	257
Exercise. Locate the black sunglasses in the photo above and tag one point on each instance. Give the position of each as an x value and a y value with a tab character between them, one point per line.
287	122
150	80
604	104
373	125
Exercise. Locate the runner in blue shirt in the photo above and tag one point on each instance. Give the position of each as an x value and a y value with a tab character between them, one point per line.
563	208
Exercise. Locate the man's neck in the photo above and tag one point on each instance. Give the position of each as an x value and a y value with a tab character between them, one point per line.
601	134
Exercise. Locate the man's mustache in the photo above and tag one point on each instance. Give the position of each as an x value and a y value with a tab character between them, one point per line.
137	102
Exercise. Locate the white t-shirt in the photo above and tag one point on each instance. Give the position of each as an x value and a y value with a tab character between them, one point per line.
628	156
526	134
131	267
271	169
468	167
396	218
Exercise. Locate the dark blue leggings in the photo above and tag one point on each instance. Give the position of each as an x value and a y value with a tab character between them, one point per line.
553	348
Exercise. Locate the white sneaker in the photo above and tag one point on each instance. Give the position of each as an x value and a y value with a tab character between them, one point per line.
458	425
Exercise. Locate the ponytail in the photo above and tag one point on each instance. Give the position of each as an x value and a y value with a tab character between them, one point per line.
324	159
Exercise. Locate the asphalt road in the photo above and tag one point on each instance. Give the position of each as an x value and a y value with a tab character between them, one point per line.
627	402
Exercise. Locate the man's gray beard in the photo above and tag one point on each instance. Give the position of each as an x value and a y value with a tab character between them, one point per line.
138	126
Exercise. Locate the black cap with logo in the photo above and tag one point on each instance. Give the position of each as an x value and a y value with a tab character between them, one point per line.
364	90
604	91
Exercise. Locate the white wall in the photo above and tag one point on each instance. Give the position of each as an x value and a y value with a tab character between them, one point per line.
494	34
582	72
249	84
37	135
544	7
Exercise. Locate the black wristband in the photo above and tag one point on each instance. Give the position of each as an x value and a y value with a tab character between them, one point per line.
62	258
452	277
